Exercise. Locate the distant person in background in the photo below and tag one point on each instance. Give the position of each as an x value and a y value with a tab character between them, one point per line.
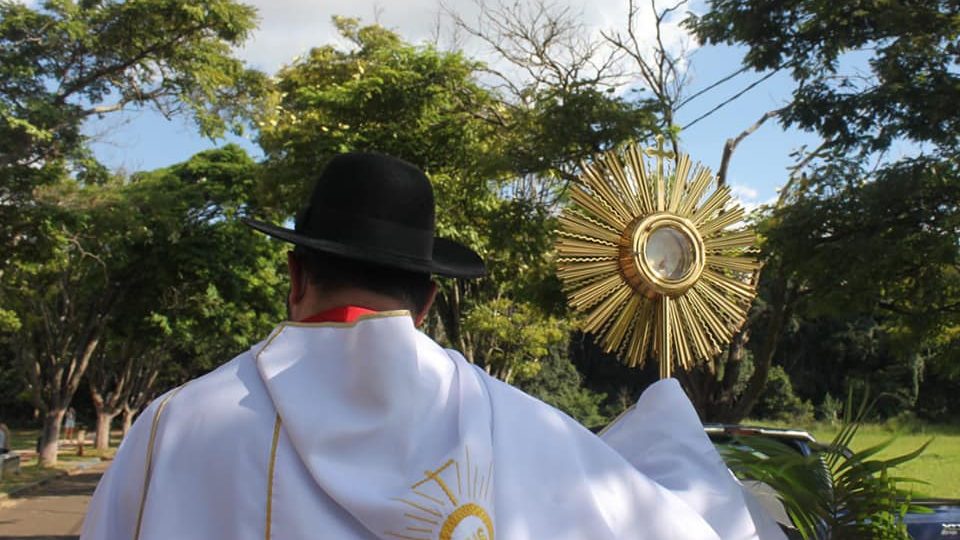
69	423
4	439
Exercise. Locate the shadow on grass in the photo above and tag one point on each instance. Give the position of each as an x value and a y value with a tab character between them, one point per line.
66	486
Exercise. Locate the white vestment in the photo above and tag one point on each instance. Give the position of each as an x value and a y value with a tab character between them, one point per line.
371	430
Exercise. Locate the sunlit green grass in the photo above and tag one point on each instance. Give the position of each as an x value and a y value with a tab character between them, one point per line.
31	472
938	467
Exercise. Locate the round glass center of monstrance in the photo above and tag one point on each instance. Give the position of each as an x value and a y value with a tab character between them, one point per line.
669	253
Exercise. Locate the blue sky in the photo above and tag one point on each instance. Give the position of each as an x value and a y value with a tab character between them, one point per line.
145	140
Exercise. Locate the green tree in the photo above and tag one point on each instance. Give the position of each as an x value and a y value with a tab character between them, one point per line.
65	298
779	402
498	166
859	232
380	95
63	62
215	286
160	261
512	338
558	383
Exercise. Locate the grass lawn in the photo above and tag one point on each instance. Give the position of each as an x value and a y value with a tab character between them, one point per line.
938	467
67	458
29	473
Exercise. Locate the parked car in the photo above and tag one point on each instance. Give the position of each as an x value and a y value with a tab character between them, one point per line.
942	522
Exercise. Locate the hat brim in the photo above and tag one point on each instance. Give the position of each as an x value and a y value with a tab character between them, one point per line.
450	259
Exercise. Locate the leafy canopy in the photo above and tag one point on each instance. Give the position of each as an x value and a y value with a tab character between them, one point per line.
866	232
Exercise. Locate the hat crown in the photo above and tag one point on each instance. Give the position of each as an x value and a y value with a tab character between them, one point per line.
378	209
367	185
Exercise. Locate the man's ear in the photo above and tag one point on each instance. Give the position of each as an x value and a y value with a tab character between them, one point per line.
298	280
427	305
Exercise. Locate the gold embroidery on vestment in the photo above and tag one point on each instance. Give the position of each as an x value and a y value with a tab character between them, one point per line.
148	463
271	468
271	464
486	484
462	513
419	507
458	506
406	537
435	477
420	518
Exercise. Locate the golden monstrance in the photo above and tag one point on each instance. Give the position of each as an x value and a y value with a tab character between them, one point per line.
658	266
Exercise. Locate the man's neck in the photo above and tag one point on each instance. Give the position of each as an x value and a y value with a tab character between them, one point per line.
317	301
345	314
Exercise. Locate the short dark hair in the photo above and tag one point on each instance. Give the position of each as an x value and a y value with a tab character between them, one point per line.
330	272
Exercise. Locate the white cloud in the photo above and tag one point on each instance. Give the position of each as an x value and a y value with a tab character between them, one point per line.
746	196
743	192
749	197
289	28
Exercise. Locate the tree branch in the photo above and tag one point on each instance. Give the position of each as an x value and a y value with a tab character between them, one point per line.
731	144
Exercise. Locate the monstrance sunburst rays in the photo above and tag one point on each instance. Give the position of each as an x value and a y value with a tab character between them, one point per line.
656	264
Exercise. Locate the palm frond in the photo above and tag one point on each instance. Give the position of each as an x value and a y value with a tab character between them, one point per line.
833	493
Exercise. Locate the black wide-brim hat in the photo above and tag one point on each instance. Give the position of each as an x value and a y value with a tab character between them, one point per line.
378	209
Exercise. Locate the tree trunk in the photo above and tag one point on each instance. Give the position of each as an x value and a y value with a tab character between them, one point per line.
50	438
449	311
128	414
779	314
104	422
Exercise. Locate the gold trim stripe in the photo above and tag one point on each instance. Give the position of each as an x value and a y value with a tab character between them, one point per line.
271	468
276	426
148	466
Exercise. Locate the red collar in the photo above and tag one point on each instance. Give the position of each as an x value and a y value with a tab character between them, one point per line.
343	314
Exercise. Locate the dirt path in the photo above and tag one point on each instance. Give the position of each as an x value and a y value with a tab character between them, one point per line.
53	511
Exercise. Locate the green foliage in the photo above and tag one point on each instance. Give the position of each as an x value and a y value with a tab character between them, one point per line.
14	397
825	353
81	268
829	409
9	322
863	232
383	95
498	168
910	48
216	283
513	338
834	493
556	127
779	402
156	268
841	244
63	62
558	383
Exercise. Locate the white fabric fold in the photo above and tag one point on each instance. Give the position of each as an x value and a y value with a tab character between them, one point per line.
383	434
662	436
385	406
